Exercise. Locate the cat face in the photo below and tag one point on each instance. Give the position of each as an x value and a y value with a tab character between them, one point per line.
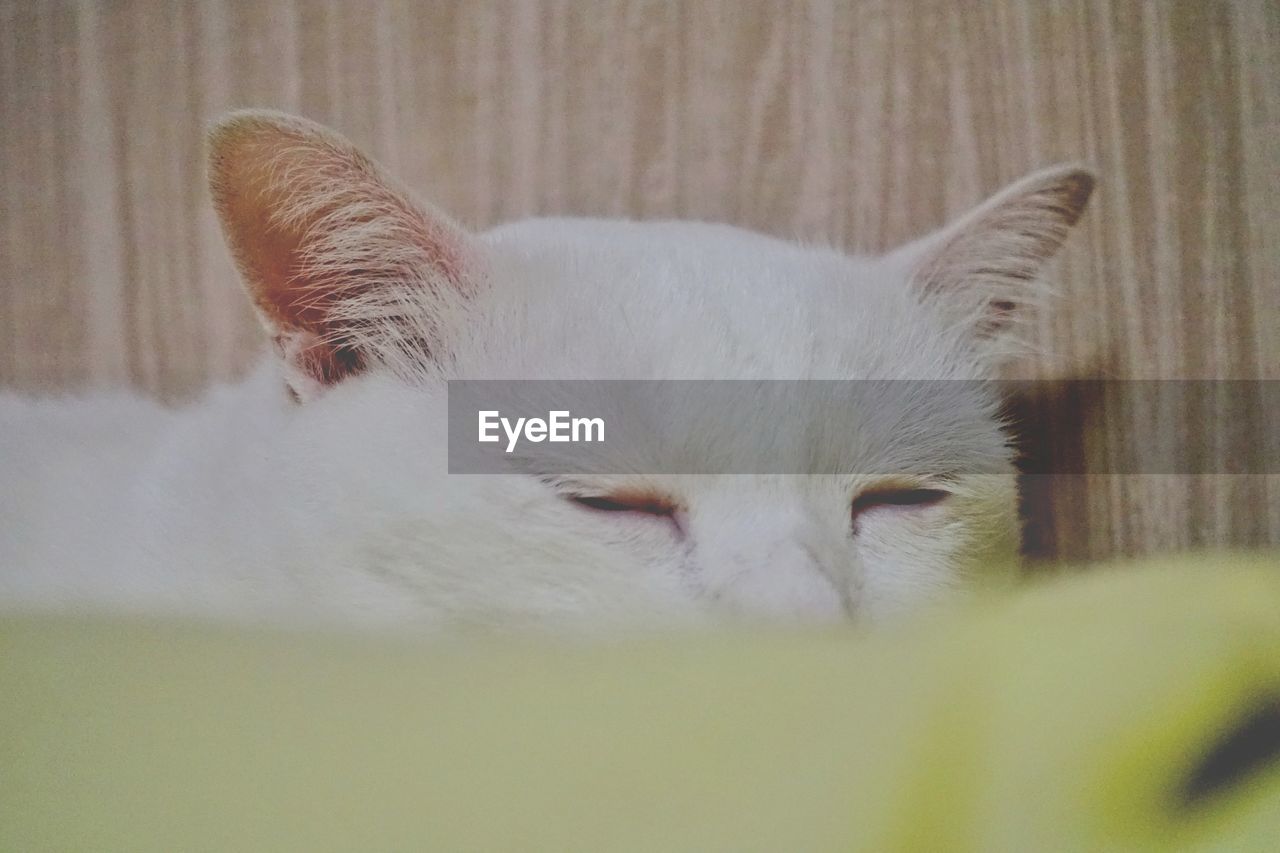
374	302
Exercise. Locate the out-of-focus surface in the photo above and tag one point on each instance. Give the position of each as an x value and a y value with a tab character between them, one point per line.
1134	710
860	124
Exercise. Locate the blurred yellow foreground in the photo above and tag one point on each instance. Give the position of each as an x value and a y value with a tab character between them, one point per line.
1134	709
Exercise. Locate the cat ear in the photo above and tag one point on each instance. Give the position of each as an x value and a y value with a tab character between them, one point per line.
982	272
344	268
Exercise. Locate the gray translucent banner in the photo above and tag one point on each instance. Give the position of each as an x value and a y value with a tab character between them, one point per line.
559	428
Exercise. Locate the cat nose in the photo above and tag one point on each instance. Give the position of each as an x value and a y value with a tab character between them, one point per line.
784	580
791	590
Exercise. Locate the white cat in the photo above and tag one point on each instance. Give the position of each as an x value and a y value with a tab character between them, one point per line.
318	486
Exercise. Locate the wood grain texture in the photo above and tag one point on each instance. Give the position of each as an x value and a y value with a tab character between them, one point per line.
855	123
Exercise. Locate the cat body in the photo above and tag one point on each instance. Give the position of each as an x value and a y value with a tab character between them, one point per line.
317	488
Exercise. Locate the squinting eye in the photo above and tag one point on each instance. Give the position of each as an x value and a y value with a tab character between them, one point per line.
908	498
645	504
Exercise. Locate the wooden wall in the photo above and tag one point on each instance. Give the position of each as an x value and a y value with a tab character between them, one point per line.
859	123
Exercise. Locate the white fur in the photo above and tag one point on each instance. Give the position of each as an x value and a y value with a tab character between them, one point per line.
249	504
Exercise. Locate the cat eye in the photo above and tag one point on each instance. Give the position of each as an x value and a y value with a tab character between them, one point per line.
890	498
643	503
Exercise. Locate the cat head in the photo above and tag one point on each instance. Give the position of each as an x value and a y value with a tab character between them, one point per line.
362	287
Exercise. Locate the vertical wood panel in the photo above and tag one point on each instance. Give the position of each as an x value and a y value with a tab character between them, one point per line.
855	123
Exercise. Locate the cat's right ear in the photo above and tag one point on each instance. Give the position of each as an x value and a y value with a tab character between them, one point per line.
345	269
982	273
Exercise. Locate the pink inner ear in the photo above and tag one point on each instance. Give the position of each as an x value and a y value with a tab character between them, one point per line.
319	359
327	246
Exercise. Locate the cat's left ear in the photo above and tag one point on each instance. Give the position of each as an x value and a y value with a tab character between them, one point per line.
345	268
982	272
